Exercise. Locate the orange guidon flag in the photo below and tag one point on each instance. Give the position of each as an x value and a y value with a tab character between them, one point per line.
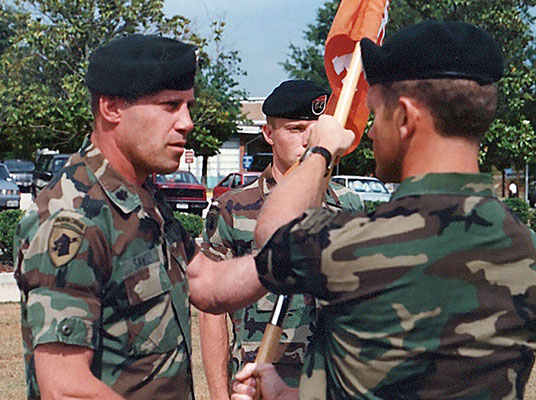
355	19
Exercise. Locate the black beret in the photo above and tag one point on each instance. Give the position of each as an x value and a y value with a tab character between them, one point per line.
296	99
434	50
138	65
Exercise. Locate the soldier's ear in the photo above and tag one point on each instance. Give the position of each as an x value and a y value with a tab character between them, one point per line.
267	132
406	116
110	108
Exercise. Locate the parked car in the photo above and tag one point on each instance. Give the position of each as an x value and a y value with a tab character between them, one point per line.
261	161
21	171
182	191
46	166
234	180
368	188
9	191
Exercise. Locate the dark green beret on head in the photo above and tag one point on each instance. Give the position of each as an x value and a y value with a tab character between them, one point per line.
138	65
296	99
434	50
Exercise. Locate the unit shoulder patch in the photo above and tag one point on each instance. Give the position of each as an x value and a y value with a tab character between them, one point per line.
65	239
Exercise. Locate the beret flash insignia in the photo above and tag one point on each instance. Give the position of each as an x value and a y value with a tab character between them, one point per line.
319	104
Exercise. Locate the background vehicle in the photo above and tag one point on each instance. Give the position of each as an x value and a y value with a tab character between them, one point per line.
182	191
260	161
9	191
368	188
21	171
234	180
46	166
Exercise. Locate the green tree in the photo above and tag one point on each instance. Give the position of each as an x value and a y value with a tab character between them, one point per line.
218	101
6	26
511	139
44	101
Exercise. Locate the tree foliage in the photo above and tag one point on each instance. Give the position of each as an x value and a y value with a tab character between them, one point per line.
6	27
511	139
44	101
218	100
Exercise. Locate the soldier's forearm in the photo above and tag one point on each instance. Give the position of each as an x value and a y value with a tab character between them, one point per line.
304	187
215	353
218	287
301	189
63	372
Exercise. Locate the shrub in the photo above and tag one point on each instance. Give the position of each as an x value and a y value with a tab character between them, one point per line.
519	207
371	206
192	223
8	224
532	219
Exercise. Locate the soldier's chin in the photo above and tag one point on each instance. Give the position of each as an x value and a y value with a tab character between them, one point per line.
168	169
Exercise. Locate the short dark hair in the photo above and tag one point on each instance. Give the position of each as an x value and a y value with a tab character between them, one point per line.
271	121
95	96
459	107
95	103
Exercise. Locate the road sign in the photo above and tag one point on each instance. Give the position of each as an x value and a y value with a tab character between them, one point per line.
247	161
188	156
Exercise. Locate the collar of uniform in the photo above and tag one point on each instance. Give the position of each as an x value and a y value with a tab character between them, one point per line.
449	183
121	192
266	182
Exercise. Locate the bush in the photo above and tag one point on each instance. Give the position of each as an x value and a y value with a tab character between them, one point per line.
8	224
192	223
519	207
371	206
532	219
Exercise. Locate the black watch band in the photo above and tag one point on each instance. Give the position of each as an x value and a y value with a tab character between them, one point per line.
323	152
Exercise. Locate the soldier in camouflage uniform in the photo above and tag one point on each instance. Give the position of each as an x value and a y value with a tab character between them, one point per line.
433	296
290	109
100	259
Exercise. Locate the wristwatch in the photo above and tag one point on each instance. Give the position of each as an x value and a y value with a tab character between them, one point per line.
323	152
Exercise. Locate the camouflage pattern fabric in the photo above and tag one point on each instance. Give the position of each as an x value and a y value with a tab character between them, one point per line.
101	264
229	233
433	296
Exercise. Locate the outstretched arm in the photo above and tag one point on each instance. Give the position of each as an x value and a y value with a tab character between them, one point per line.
224	286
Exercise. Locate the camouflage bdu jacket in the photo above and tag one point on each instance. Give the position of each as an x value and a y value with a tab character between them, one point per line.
431	297
101	265
229	233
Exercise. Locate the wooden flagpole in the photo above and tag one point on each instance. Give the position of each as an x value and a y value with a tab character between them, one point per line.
272	333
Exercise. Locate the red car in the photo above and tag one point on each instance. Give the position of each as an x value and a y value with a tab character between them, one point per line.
182	191
233	180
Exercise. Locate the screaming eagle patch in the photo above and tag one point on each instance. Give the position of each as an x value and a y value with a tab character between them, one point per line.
65	240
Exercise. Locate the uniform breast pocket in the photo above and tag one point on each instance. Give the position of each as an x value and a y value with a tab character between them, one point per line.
151	321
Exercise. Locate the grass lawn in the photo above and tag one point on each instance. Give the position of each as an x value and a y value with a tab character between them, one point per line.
12	384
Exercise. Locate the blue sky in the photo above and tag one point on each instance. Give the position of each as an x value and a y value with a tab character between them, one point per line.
261	30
